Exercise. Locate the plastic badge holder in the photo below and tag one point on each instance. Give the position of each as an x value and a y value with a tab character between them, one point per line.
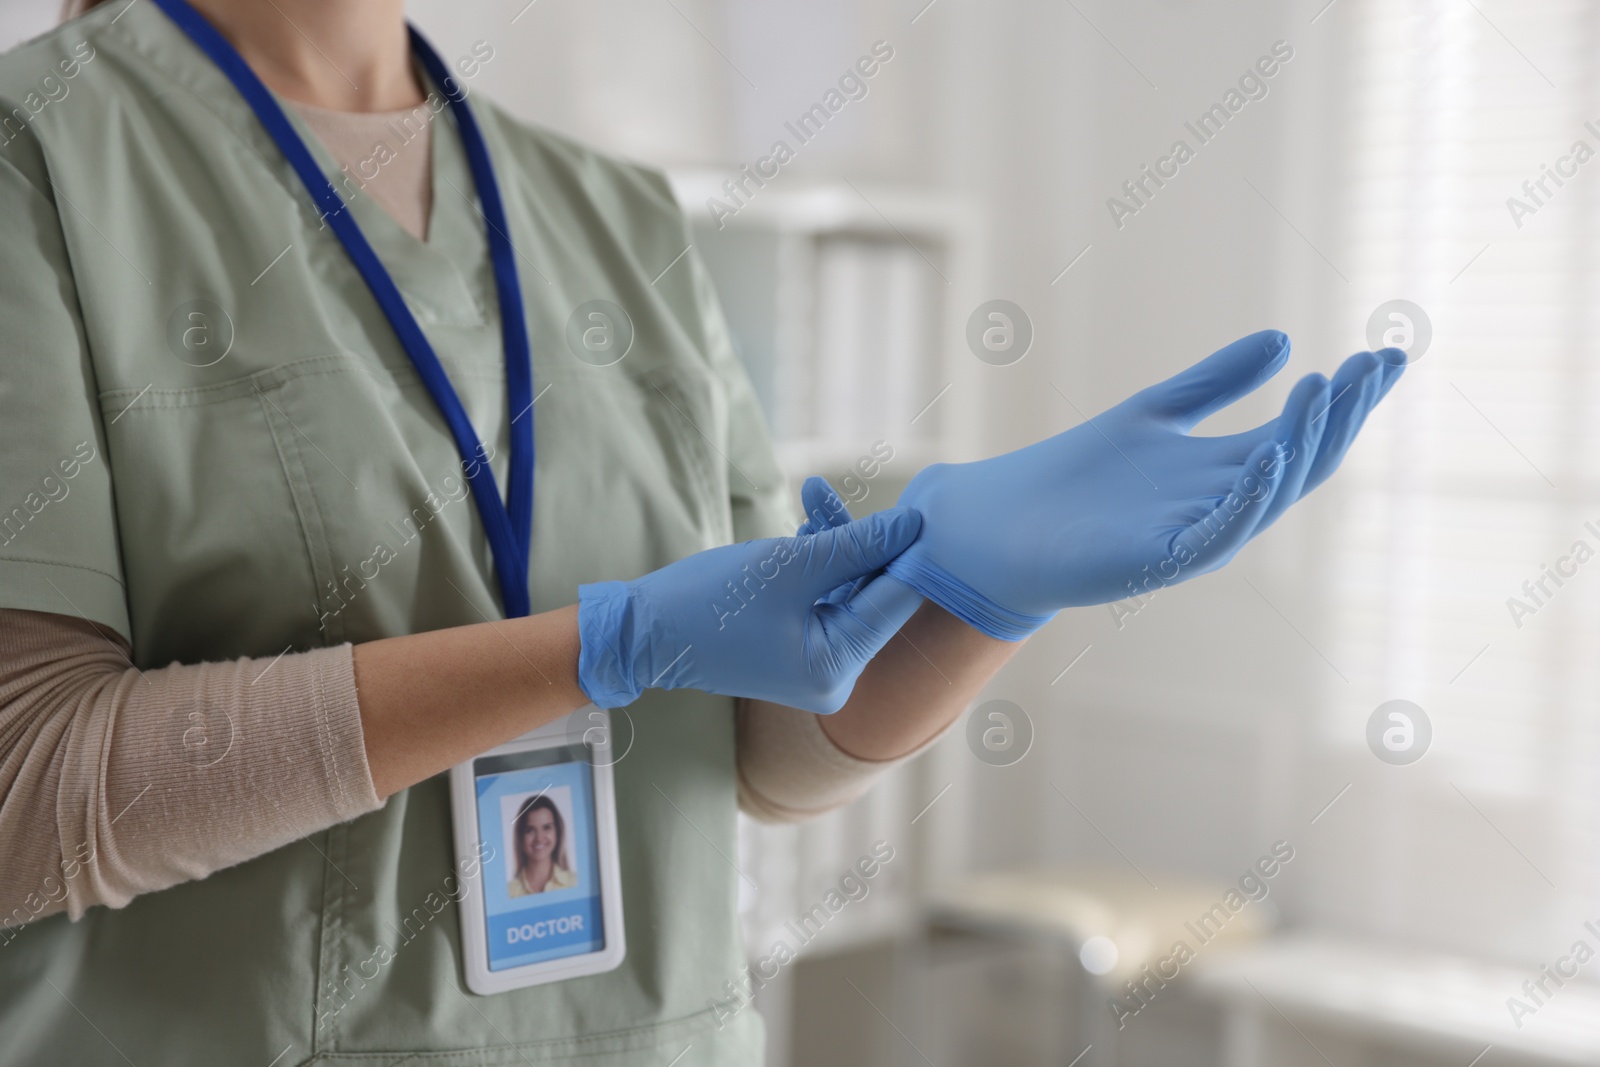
536	840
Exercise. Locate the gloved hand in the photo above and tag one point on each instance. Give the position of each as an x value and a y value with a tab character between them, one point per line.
1128	502
783	619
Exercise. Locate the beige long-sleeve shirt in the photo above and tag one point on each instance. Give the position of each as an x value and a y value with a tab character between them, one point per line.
116	782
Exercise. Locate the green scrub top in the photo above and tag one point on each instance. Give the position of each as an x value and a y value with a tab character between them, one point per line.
302	490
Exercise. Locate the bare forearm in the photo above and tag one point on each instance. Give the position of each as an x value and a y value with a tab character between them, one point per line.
794	765
924	677
431	700
251	753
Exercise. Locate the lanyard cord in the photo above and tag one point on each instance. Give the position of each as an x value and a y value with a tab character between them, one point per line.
509	529
513	322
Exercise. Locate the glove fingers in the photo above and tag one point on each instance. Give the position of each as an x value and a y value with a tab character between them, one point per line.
823	507
1394	365
1357	387
859	547
1218	380
1217	536
1389	373
842	593
1300	428
824	510
873	613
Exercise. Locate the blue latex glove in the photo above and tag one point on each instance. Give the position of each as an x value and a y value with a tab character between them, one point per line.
783	619
1127	502
825	509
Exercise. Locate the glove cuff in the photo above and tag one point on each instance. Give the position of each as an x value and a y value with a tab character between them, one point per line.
963	601
606	647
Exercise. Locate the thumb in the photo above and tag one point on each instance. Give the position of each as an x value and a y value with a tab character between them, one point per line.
845	553
1226	375
822	506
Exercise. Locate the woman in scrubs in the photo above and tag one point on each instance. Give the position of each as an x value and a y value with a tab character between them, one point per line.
250	608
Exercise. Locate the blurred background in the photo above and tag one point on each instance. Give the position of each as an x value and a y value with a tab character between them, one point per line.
1133	777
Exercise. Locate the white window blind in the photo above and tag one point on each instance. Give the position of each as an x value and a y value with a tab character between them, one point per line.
1486	469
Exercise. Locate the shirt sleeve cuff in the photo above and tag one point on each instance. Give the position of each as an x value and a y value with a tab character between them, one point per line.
790	770
344	743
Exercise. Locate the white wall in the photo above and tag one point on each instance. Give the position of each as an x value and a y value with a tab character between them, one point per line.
23	19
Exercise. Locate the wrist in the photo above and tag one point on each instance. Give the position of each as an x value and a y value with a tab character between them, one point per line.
964	602
608	649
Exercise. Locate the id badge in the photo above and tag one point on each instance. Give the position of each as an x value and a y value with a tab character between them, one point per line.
536	849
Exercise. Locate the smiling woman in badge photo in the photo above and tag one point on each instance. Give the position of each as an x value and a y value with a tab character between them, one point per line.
416	443
537	843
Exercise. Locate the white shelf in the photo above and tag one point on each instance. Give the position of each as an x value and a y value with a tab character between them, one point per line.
800	459
847	303
827	207
1404	996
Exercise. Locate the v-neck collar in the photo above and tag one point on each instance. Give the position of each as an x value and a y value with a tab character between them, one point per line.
382	139
433	274
455	238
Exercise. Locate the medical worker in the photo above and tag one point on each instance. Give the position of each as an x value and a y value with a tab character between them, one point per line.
304	498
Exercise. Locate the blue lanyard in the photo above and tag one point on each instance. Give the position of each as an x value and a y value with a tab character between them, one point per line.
509	525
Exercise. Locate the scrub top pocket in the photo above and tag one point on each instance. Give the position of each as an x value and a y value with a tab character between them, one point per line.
203	490
688	410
